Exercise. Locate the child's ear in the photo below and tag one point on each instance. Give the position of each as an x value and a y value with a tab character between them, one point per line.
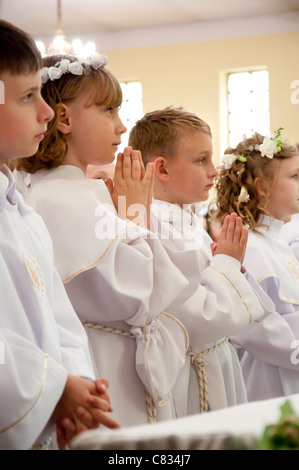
63	118
262	187
161	170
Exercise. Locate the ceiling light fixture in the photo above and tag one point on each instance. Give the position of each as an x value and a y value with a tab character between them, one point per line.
60	45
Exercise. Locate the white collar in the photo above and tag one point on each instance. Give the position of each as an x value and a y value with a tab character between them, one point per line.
7	185
171	213
3	182
72	172
290	230
270	224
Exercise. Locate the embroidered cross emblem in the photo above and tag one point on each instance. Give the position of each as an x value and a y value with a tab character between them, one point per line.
35	274
294	268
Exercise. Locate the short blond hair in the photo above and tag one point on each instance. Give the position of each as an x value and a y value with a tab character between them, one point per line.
157	133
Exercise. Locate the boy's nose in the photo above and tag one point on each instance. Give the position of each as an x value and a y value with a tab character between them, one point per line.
46	113
49	113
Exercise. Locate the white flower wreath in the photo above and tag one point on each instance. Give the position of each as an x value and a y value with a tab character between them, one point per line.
78	67
267	148
243	196
229	158
271	145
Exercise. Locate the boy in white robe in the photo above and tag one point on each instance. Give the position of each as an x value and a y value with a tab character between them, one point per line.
123	282
46	374
260	180
180	145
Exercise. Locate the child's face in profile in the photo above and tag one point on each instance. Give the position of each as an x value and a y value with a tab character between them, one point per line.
95	132
191	171
284	195
23	116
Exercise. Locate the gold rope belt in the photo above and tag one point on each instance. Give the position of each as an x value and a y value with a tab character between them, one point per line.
108	329
196	359
149	402
44	445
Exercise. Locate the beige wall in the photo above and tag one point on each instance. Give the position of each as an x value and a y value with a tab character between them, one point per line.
193	76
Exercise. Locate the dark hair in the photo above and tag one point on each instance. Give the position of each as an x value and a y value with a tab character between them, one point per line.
18	51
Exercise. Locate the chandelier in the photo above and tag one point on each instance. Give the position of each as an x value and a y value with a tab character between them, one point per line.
60	45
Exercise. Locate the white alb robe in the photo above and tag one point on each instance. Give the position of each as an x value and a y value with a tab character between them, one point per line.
290	231
223	303
120	276
41	338
270	364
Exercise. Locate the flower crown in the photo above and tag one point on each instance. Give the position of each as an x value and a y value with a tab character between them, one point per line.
268	148
77	67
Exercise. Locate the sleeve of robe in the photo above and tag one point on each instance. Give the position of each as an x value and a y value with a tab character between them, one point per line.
223	299
223	302
75	356
217	303
31	384
272	339
74	351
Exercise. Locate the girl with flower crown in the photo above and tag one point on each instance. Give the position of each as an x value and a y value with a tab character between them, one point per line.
260	181
119	276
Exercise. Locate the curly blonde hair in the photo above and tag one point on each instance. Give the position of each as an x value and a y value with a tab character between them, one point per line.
241	177
103	88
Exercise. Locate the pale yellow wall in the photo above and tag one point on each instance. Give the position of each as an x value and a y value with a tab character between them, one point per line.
192	75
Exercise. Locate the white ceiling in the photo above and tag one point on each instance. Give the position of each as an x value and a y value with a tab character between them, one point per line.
110	17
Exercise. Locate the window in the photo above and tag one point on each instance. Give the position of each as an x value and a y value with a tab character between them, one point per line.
131	109
248	104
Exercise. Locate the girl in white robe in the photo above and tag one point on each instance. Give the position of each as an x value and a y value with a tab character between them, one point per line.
290	232
180	145
260	180
123	283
